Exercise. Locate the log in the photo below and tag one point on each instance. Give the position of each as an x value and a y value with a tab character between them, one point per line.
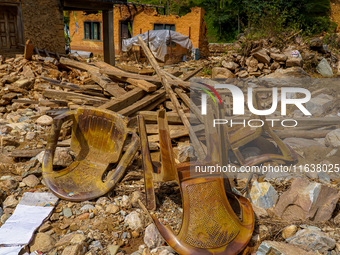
124	101
195	142
145	101
145	85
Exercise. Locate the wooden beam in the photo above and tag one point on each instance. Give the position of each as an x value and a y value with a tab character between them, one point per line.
108	40
195	142
103	81
28	50
145	101
63	95
124	101
145	85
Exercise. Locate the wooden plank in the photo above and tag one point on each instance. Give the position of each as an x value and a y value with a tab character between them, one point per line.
124	101
145	85
188	75
173	117
153	105
115	73
190	104
145	101
63	95
71	86
96	76
302	133
195	142
29	48
25	153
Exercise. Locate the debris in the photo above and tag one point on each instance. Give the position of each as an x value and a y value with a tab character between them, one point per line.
319	105
289	231
279	248
312	240
135	220
324	68
307	200
152	237
333	138
263	195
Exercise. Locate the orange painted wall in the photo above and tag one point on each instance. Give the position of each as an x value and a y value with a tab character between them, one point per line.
143	20
335	12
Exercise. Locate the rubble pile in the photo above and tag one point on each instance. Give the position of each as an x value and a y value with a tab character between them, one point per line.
295	212
246	58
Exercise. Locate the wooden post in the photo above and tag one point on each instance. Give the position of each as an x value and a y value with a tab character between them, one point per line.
109	45
28	50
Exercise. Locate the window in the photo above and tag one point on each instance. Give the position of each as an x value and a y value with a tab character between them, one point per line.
158	26
92	30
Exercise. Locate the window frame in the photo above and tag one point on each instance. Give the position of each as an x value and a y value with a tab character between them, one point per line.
91	31
164	26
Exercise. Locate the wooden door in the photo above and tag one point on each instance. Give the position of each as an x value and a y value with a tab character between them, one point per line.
8	27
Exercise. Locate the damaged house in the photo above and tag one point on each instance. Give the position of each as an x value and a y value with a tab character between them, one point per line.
86	28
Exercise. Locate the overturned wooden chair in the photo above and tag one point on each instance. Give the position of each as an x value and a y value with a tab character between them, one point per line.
209	223
98	139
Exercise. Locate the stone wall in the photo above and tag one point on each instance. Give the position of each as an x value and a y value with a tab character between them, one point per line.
143	19
43	23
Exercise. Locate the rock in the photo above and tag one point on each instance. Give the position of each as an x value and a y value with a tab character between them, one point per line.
262	56
152	237
222	73
111	208
24	83
333	138
67	212
30	135
125	202
135	220
291	61
275	65
301	142
286	77
77	249
10	202
9	184
307	200
31	181
243	74
259	212
136	195
324	68
312	240
113	249
337	220
319	105
27	72
42	242
289	231
278	57
184	153
279	248
87	207
316	44
62	157
71	239
230	65
44	120
263	195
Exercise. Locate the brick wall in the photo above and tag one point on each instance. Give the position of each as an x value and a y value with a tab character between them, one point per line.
143	19
335	12
43	23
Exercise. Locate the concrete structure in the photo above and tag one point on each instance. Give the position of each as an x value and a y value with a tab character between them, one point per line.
130	21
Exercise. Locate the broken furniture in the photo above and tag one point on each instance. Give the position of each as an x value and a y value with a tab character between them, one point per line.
209	225
98	139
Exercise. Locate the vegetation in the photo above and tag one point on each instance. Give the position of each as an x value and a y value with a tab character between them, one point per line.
227	18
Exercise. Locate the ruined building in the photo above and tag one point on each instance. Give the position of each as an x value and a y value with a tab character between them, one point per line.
86	29
41	21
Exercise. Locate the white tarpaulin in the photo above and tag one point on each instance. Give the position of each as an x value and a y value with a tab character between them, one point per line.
157	41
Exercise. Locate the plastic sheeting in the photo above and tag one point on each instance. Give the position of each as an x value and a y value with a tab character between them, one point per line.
158	42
